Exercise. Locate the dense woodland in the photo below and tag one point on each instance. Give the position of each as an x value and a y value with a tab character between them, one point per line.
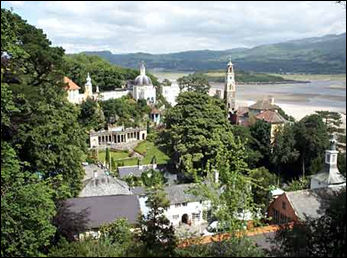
44	142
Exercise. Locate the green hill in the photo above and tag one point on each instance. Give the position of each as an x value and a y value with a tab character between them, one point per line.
325	54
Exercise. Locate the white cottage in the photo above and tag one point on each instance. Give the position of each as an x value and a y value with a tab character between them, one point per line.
184	207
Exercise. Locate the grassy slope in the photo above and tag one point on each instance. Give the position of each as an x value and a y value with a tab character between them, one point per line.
146	148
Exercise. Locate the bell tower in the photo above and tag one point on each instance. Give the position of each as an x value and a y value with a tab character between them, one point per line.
88	91
230	88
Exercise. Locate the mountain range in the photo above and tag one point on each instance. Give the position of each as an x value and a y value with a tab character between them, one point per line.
326	54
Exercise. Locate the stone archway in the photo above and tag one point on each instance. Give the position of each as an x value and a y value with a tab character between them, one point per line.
185	218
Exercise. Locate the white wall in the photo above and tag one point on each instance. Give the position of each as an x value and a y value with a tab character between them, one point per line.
172	212
170	93
144	92
113	94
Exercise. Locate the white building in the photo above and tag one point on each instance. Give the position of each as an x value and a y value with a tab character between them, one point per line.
171	92
184	207
115	136
330	175
142	88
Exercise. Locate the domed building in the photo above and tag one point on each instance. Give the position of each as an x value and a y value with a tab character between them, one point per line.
143	87
140	88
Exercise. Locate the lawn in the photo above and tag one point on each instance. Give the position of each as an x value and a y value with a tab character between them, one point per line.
148	149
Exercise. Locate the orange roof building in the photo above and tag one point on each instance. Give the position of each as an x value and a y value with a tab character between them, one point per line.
70	85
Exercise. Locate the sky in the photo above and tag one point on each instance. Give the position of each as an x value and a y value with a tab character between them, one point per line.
166	27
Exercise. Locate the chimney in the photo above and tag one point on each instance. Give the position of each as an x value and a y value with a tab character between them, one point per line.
272	100
95	174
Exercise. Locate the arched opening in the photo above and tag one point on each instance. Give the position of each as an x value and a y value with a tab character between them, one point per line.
143	136
185	218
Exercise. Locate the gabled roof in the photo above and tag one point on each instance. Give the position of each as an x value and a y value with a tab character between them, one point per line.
175	193
264	104
241	111
104	185
136	170
271	117
105	209
178	194
312	202
70	84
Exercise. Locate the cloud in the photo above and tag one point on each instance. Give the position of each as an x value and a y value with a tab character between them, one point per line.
161	27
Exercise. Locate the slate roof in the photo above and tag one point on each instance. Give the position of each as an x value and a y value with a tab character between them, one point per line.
271	117
175	193
104	185
329	175
312	202
89	170
264	104
70	84
241	111
178	194
105	209
135	170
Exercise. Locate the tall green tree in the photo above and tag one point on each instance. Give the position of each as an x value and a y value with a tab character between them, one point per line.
27	209
194	82
157	236
283	150
195	129
44	131
91	116
311	139
260	131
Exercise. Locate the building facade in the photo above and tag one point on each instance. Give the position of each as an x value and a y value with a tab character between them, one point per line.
140	88
330	176
230	89
114	136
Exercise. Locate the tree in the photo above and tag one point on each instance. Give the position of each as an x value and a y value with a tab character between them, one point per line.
195	129
311	139
260	131
332	120
300	184
157	236
117	232
107	157
244	135
194	82
91	116
283	149
44	131
152	177
27	209
125	111
264	180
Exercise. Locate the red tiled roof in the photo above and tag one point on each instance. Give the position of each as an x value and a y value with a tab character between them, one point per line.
70	84
242	111
271	117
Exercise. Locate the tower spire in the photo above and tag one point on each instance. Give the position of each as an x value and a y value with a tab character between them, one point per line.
142	68
230	88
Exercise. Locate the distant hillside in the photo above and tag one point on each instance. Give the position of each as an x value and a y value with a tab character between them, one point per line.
325	54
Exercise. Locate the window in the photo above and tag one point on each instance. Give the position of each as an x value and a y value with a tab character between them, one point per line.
175	216
184	204
196	216
283	205
177	205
